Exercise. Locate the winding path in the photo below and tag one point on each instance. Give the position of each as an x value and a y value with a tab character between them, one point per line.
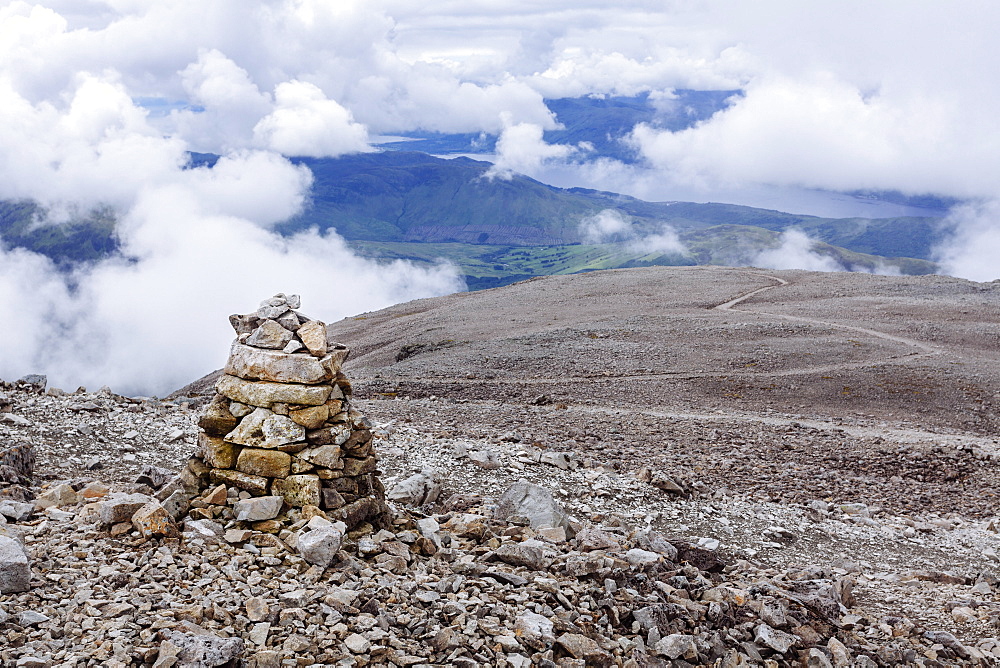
918	350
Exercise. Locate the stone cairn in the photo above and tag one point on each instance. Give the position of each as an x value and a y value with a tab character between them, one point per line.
280	431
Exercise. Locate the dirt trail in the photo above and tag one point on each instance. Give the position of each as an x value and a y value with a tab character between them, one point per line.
729	306
923	350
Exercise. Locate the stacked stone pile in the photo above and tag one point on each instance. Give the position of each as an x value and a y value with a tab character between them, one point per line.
281	424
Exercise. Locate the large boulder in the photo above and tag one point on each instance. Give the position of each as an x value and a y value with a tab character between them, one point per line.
532	502
15	572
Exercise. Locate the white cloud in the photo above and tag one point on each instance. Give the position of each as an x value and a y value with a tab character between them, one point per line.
305	123
521	148
605	226
973	251
796	252
612	226
195	243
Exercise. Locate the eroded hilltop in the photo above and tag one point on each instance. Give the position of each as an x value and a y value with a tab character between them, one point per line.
605	469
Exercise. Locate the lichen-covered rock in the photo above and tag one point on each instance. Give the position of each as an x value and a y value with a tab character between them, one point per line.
269	334
327	456
299	490
264	429
312	417
264	394
274	365
313	336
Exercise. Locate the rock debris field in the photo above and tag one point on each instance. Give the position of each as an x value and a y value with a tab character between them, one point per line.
624	475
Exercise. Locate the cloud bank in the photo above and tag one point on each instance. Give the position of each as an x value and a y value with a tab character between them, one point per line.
611	226
100	101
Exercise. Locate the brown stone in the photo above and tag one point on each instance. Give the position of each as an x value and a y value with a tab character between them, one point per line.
359	511
360	451
313	335
153	520
355	467
344	385
266	526
201	514
331	499
300	466
328	474
332	435
216	452
358	439
254	484
298	490
197	467
309	512
216	496
312	417
267	463
217	420
343	485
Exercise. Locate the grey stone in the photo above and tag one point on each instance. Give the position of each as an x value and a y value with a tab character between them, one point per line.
485	459
177	504
357	643
655	542
154	476
15	571
320	544
530	554
417	490
591	538
534	630
34	381
258	508
252	363
244	324
779	641
270	334
199	650
642	558
120	507
532	501
31	618
561	460
16	511
677	646
263	394
289	321
264	429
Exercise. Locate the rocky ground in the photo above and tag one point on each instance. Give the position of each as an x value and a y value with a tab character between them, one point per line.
795	523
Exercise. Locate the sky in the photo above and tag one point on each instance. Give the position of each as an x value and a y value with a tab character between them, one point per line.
100	100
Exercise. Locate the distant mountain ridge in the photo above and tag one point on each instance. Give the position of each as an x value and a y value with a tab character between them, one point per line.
406	204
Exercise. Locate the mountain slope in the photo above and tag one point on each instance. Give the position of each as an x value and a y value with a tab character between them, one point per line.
401	197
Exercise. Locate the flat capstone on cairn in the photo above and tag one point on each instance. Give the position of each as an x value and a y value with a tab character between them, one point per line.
280	431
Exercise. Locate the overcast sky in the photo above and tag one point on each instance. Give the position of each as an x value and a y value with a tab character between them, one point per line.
100	100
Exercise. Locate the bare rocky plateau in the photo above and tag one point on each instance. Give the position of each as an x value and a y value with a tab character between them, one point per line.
827	441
